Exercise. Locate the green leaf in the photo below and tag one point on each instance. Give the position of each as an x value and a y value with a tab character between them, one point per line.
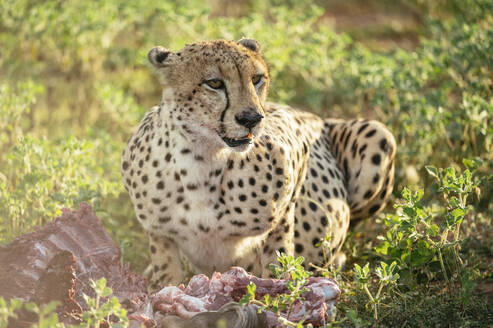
472	164
299	260
406	194
458	213
382	248
250	294
434	230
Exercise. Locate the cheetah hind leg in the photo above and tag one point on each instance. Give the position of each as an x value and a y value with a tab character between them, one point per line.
365	151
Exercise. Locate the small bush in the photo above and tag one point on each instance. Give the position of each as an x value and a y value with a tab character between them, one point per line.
103	310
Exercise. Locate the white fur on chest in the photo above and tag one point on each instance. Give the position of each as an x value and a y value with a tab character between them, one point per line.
194	210
206	246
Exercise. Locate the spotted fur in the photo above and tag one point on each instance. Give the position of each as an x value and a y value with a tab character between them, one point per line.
298	179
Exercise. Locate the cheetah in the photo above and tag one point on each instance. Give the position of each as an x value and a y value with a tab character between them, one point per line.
222	177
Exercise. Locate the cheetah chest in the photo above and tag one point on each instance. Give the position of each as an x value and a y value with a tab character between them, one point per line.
216	210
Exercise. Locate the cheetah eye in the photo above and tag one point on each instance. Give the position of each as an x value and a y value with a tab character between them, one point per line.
215	83
256	79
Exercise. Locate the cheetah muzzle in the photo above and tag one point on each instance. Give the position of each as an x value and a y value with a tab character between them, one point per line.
221	176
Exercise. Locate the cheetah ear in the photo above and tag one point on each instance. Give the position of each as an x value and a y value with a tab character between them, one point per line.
251	44
160	57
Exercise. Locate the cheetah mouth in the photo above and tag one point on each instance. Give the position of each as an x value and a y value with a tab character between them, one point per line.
235	142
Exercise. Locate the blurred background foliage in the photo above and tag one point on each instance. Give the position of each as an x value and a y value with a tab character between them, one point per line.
74	83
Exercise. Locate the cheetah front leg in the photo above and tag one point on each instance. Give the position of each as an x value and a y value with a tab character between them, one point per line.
165	262
365	152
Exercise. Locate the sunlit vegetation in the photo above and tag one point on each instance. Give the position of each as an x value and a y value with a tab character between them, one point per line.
74	83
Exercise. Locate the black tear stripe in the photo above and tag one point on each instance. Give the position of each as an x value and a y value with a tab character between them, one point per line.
227	103
226	89
227	96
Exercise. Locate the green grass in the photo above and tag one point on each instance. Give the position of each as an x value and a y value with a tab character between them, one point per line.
74	82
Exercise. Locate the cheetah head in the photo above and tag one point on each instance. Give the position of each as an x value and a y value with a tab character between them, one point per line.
217	91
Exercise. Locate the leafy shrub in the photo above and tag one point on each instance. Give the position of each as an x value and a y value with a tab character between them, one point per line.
39	176
110	313
7	310
100	313
422	253
416	242
291	269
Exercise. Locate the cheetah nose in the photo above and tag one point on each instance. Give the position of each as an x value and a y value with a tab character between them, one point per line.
249	119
